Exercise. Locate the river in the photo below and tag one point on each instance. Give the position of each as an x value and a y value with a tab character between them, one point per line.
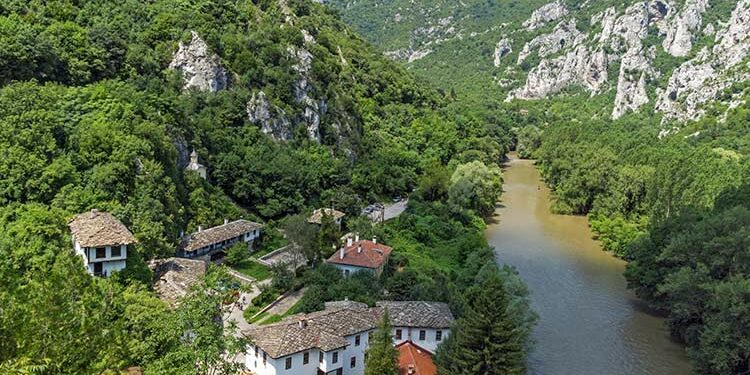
589	323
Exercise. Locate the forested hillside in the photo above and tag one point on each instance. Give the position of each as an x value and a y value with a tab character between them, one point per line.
101	104
637	114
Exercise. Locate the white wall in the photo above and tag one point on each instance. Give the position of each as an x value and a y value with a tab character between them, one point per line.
351	269
110	263
411	333
278	366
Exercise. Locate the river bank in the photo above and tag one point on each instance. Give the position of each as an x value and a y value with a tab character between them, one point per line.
589	323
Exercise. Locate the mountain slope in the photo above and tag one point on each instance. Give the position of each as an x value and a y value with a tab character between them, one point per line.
673	57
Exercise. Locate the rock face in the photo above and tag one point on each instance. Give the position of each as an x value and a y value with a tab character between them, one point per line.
548	13
502	49
565	34
679	39
699	80
572	58
200	68
272	120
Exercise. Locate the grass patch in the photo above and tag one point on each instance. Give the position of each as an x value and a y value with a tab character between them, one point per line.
253	269
272	240
275	318
256	319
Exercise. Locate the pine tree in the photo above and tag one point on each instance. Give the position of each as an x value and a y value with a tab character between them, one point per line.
484	341
381	355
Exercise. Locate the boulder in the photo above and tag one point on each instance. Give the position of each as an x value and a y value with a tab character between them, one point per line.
201	69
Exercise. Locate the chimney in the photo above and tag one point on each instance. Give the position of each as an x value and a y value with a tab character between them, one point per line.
302	323
200	228
356	238
348	242
226	221
411	369
359	249
374	239
341	253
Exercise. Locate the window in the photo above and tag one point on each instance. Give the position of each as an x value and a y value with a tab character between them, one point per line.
422	335
306	358
335	357
346	273
356	340
288	363
438	335
353	362
398	334
101	252
320	357
256	351
264	359
255	364
116	251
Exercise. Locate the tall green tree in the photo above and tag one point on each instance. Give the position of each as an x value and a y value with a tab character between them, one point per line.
381	355
485	340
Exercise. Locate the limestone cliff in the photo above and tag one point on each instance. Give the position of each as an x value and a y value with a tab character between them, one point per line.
201	69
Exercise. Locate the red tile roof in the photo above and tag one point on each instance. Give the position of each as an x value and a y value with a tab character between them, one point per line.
373	255
414	360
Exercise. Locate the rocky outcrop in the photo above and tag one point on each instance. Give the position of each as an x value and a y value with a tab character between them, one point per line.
547	13
201	69
564	35
699	80
502	49
312	111
577	67
679	39
272	120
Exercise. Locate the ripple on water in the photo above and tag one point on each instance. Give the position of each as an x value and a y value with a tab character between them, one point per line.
589	323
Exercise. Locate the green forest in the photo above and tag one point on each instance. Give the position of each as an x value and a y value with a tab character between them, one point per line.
91	116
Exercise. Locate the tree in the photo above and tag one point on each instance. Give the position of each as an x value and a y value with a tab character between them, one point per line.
476	186
302	235
381	355
236	254
484	341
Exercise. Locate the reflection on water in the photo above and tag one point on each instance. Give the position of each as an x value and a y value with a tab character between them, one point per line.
589	323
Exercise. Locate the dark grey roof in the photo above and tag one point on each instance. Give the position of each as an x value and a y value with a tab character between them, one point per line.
327	329
214	235
96	228
418	313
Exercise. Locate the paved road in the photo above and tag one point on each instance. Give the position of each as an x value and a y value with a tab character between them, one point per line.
391	210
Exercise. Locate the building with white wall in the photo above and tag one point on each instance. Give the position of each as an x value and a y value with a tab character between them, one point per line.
333	341
194	165
102	241
207	242
317	216
361	255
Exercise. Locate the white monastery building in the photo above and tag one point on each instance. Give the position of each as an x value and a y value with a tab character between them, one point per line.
194	165
102	240
361	255
207	242
334	341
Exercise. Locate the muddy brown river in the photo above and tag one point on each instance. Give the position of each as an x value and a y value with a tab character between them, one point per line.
589	323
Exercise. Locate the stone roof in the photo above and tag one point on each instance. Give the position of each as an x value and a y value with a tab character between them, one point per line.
96	229
421	314
210	236
326	330
317	215
372	254
173	277
414	360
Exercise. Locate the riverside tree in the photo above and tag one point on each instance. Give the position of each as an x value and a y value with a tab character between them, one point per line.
485	340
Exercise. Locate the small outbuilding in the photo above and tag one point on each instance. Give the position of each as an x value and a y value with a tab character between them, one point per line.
102	240
317	216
